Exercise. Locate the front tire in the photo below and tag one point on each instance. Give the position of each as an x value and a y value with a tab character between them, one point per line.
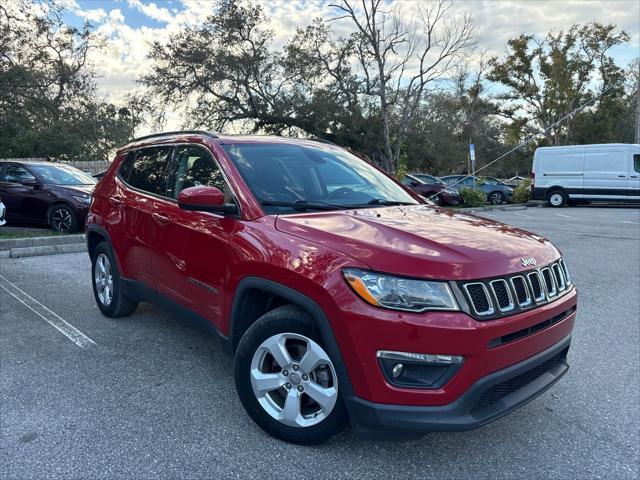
557	198
286	380
62	219
107	285
496	198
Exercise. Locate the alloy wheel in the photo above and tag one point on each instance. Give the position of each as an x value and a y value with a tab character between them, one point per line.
294	380
496	198
103	279
61	220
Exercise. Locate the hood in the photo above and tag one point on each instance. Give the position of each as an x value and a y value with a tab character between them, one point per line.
76	189
423	241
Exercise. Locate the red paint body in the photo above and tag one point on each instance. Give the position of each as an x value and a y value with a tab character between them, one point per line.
158	243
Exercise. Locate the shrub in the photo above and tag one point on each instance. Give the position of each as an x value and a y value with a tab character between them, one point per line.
401	171
522	192
472	197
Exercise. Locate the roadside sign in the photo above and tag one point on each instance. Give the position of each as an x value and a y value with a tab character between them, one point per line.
472	156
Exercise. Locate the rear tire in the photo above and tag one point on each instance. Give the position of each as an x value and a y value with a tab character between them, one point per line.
108	288
557	198
286	407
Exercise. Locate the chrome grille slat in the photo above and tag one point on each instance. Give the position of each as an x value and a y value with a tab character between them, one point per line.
558	276
495	297
528	297
474	304
549	283
537	297
510	303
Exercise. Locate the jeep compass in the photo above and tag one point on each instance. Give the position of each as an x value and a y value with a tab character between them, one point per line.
343	296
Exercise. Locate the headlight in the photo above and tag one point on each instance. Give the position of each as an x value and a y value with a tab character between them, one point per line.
400	293
82	199
450	192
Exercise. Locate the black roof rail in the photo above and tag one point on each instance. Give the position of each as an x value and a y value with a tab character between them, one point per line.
177	132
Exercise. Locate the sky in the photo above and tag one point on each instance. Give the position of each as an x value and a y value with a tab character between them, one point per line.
131	25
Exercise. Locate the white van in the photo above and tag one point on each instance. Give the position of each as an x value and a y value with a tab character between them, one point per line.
606	172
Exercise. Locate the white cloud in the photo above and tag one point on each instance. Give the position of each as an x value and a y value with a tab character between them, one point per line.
123	60
152	11
94	15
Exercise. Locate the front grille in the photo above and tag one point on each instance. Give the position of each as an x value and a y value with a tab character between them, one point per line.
494	297
501	390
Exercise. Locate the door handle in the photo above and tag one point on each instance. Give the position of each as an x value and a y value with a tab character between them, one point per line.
160	219
633	176
622	176
115	200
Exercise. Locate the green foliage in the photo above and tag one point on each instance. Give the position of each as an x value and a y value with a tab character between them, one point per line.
48	101
547	78
522	192
401	172
472	197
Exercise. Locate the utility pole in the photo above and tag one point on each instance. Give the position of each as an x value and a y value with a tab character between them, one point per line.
638	110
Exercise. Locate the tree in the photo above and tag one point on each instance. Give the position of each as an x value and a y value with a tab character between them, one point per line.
548	78
48	101
399	58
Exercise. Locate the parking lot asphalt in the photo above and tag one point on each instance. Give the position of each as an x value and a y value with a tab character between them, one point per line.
149	397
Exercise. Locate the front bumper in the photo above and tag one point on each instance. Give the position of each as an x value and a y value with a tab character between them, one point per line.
488	399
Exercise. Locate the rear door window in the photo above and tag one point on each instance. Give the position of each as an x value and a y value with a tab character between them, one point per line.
148	170
636	162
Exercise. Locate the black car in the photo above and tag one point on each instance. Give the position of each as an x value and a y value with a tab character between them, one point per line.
46	193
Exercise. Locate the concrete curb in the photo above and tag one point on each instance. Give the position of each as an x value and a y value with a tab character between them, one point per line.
504	208
10	243
20	252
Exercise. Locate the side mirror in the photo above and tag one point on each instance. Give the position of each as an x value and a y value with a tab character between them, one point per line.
29	182
205	199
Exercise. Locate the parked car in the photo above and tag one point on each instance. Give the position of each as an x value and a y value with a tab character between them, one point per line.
3	211
571	174
344	297
46	193
497	192
99	175
432	188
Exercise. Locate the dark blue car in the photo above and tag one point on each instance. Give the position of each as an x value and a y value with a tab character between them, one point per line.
496	191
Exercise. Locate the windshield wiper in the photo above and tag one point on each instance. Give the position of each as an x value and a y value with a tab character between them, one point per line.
378	201
302	205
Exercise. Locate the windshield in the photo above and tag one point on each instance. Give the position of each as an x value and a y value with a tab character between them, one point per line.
299	176
62	175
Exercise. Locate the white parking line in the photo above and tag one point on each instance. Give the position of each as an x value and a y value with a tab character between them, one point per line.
561	215
55	320
628	221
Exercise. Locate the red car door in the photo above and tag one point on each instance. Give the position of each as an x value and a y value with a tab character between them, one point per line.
194	249
139	184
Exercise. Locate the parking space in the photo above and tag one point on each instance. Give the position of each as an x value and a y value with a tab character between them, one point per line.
149	396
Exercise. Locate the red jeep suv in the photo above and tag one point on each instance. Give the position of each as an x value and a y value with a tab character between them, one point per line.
343	296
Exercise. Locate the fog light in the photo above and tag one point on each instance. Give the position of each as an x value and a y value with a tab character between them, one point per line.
418	370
